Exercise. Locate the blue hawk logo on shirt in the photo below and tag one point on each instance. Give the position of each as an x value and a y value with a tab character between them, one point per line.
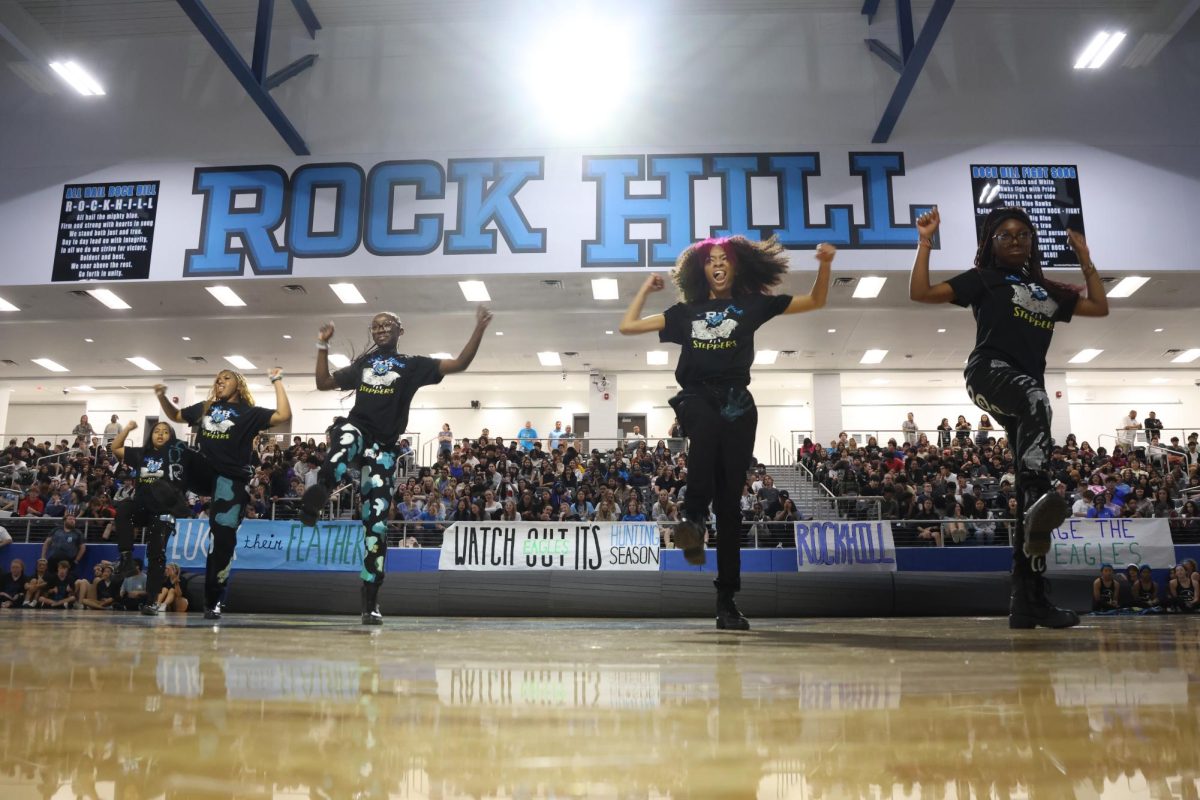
382	371
219	419
152	467
716	324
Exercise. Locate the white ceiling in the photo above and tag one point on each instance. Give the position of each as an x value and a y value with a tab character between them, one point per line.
533	317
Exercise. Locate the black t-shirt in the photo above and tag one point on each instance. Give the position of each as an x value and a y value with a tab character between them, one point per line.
162	463
14	586
226	434
384	383
718	336
1014	318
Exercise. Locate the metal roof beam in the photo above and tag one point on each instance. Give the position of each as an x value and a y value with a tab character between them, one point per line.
911	63
252	77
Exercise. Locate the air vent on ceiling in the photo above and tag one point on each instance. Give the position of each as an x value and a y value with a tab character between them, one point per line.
79	293
570	353
1174	351
8	362
197	359
788	353
840	282
1108	280
294	288
552	284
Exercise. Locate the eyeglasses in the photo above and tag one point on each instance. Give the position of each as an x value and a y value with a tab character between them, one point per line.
387	326
1004	237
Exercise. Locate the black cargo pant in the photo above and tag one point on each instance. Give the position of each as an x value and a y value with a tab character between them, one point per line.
719	452
1019	402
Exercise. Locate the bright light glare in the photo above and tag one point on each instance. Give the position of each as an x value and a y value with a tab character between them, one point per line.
144	364
77	77
577	73
549	359
50	364
605	289
1098	51
241	362
873	356
339	360
868	287
1187	356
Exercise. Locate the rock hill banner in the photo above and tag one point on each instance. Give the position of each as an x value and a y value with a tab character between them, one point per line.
845	546
534	547
1082	545
334	546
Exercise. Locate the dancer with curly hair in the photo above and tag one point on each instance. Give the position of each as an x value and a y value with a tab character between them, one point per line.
725	295
1016	309
226	424
384	383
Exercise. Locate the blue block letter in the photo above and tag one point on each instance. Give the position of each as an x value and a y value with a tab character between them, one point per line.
479	205
793	171
222	221
616	209
347	180
877	170
425	235
735	172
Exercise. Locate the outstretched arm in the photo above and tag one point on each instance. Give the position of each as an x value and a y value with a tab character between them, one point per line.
919	288
118	443
633	321
325	380
283	409
168	408
1096	302
820	290
446	366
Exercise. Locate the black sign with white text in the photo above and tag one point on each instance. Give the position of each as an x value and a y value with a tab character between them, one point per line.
1050	195
106	231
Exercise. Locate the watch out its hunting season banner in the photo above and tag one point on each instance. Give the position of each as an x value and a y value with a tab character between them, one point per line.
552	212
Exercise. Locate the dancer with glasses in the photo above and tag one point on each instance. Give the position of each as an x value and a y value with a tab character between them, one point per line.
1016	309
384	383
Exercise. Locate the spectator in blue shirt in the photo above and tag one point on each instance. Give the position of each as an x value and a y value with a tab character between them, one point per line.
1100	509
526	436
555	434
633	511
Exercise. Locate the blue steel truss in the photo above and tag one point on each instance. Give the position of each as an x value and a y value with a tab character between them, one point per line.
912	56
253	76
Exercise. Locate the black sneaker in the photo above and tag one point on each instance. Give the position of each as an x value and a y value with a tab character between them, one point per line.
149	610
1030	606
372	617
1041	518
689	537
312	503
370	603
213	612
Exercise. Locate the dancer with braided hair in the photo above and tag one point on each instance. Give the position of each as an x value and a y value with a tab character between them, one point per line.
725	296
384	383
1016	309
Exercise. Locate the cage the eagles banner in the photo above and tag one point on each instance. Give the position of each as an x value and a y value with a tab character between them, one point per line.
1082	545
581	546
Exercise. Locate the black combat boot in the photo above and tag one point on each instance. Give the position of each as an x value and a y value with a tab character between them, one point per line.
1030	605
729	618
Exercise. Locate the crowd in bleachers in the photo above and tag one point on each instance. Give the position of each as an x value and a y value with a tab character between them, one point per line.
958	487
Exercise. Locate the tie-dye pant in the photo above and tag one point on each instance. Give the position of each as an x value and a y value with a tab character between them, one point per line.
225	514
377	464
1018	402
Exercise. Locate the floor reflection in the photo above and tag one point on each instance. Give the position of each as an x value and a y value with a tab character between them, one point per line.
94	706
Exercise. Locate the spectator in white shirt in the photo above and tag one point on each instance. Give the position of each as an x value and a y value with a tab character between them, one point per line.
1127	430
1081	506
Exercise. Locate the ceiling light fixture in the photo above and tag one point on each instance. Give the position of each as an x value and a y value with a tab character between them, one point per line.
1127	286
657	358
241	362
868	287
475	291
144	364
77	78
766	356
348	293
873	356
50	364
605	289
440	355
1099	50
226	296
7	306
549	358
1187	356
339	360
109	299
1084	356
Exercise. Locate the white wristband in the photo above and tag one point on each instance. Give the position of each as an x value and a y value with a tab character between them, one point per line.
322	345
